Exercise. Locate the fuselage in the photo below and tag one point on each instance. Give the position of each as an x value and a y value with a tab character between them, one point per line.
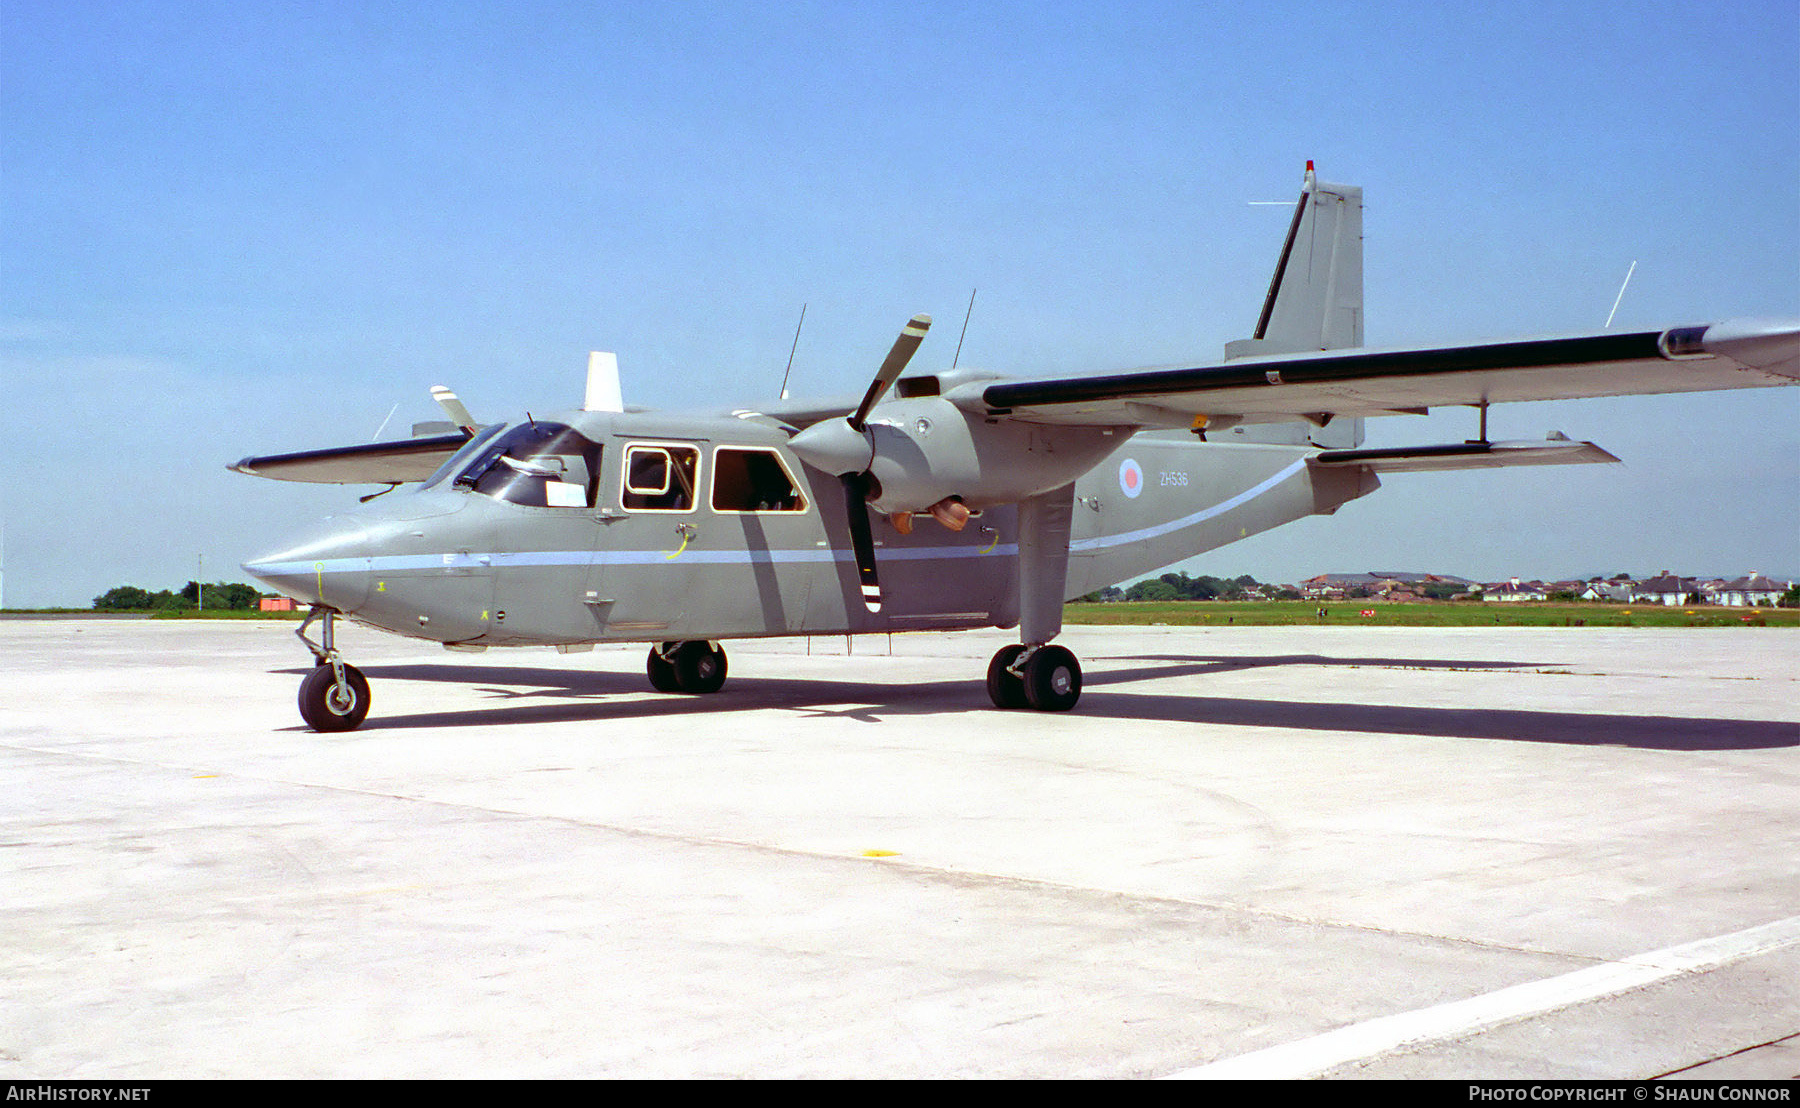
585	527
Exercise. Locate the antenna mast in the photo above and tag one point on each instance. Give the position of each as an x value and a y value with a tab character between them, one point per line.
965	330
1618	299
792	350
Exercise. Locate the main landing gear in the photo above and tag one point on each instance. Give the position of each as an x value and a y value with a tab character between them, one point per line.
1044	677
335	695
687	667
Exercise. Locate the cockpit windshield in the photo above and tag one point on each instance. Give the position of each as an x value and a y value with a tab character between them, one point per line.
535	463
458	460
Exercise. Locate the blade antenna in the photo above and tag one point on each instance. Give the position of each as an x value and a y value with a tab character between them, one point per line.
965	330
384	423
1620	298
791	352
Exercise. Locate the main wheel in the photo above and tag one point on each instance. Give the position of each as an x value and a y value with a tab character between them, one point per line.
662	672
1052	680
700	667
1005	690
324	708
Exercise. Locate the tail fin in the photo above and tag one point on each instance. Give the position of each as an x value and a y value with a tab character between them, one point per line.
1315	300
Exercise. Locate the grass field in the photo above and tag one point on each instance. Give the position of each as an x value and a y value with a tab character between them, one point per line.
1369	613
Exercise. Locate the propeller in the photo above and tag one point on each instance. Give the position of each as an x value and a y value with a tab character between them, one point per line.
856	481
453	408
904	347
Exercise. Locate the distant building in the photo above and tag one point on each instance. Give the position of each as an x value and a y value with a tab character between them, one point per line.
277	604
1617	592
1750	592
1515	590
1667	589
1384	586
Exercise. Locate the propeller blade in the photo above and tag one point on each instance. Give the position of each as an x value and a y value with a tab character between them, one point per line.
904	347
453	408
856	510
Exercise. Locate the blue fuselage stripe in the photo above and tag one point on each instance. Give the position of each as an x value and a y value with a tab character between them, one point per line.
1101	542
403	563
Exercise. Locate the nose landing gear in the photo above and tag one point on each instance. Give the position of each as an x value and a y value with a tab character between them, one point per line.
335	695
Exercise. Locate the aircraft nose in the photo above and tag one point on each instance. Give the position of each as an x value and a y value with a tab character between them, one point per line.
329	565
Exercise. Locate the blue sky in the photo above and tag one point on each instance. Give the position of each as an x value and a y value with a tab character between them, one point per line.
243	228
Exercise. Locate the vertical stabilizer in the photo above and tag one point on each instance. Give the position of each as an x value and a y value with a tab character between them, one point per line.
604	393
1315	300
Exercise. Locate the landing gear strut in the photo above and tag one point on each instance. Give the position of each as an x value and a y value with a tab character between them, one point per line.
335	695
1046	678
687	667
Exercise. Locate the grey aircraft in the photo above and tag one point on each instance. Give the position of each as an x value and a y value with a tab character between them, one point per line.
940	501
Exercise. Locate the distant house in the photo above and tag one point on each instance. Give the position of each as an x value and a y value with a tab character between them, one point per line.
277	604
1386	586
1667	589
1618	592
1423	578
1751	591
1515	590
1334	586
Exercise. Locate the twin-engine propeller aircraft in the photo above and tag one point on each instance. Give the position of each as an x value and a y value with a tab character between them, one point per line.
941	501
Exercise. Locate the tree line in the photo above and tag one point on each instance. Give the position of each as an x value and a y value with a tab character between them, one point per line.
217	596
1179	586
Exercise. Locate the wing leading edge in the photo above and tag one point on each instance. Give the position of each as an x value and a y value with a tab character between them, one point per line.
375	463
1314	386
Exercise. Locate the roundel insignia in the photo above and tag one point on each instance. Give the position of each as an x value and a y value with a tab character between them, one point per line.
1131	478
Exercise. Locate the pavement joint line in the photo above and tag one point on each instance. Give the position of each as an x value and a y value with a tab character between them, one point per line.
918	869
1752	1049
1320	1054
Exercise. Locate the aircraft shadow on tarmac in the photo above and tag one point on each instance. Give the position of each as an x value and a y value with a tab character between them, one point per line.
547	695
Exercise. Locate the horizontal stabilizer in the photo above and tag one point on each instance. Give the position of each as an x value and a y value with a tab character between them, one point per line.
375	463
1557	450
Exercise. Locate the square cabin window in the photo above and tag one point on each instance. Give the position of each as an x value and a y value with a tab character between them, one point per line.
660	478
746	480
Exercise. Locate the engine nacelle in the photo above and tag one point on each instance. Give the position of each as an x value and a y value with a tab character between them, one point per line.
924	450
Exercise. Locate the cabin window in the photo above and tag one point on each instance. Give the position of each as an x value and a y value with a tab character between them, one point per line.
660	478
747	480
538	464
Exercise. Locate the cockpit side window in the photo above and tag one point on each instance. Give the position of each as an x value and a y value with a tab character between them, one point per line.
538	464
659	478
751	480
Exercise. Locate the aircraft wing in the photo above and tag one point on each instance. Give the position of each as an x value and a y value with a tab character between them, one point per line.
375	463
1728	355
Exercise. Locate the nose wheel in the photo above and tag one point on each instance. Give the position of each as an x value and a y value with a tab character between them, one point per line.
330	702
335	695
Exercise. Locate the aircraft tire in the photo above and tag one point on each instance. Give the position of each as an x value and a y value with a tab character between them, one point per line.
1005	690
663	677
319	703
700	667
1052	680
